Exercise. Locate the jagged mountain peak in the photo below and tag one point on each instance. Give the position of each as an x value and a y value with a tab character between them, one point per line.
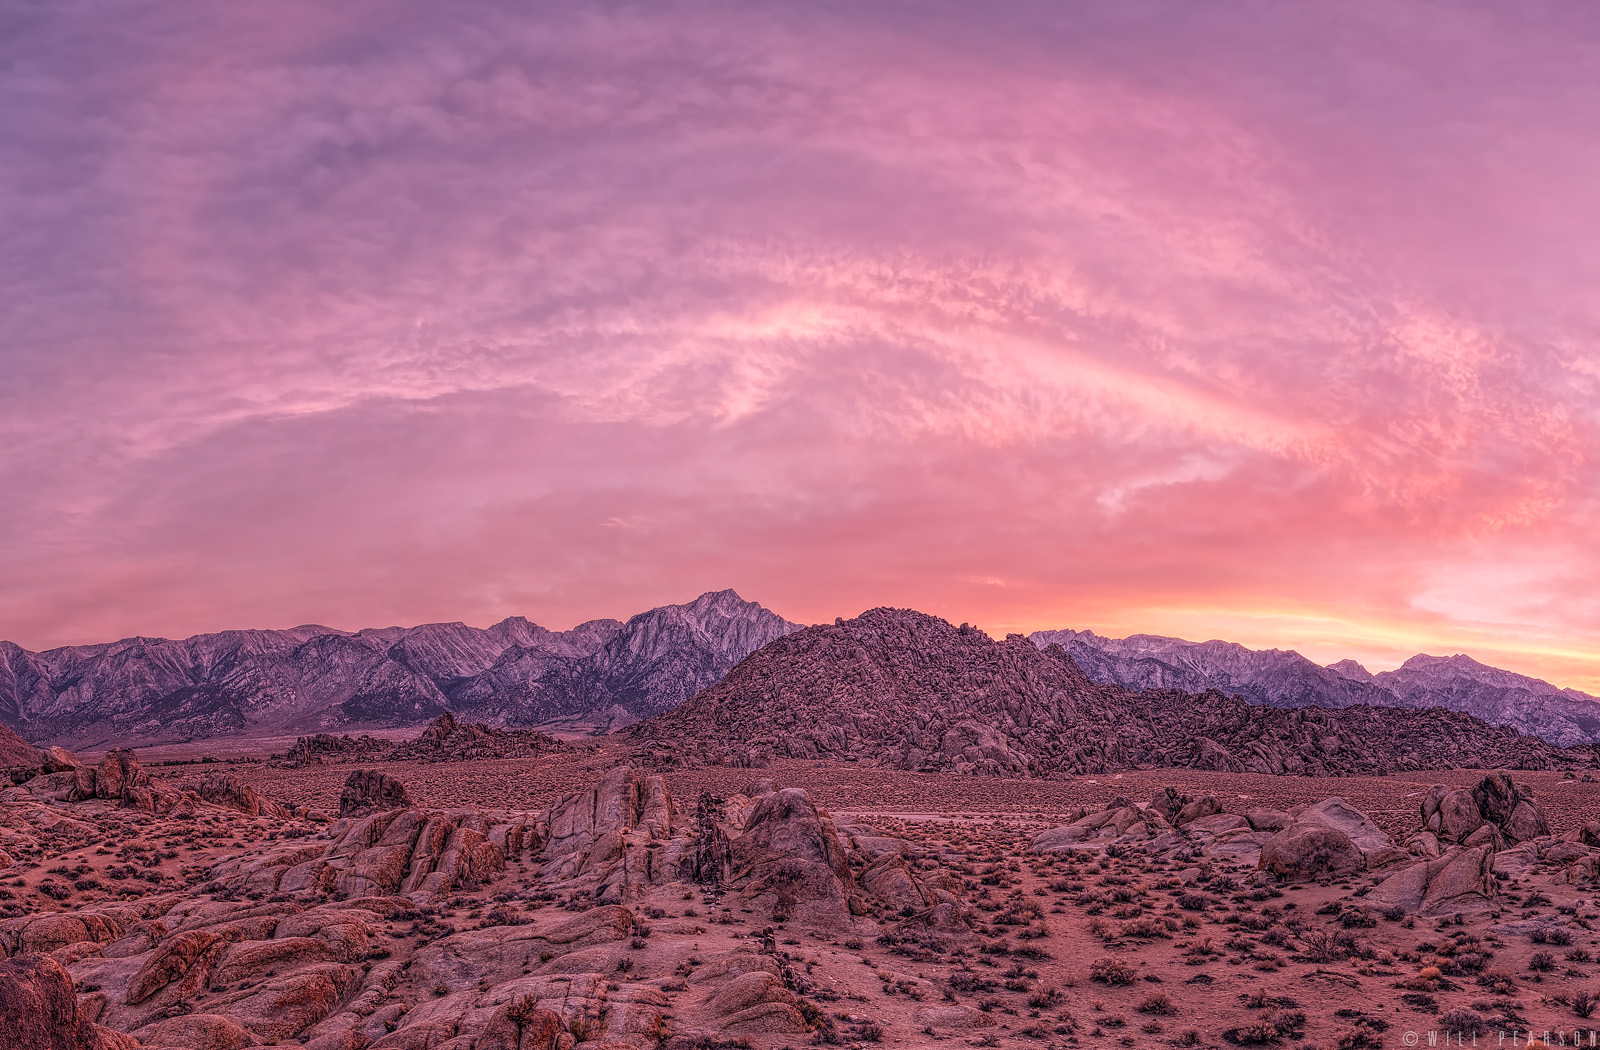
1351	669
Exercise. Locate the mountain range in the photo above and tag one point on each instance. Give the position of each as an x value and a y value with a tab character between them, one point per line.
1280	678
904	690
312	679
608	674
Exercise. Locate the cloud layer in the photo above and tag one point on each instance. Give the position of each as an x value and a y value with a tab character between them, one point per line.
1258	322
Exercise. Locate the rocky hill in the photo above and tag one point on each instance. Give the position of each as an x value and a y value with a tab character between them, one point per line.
316	679
1565	717
906	690
15	751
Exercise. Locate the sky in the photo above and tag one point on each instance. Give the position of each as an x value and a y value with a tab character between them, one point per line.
1271	322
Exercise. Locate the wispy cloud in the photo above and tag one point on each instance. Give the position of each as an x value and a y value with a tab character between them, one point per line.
385	313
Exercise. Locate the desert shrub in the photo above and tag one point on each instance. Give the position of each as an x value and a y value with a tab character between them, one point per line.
1329	945
1111	970
1542	962
1498	979
1359	1036
1045	998
1256	1033
1584	1003
1289	1023
1464	1022
1157	1003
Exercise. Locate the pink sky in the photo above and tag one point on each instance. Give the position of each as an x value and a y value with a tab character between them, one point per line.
1275	323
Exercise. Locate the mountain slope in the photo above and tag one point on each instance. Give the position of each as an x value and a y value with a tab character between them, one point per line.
899	688
1564	717
311	678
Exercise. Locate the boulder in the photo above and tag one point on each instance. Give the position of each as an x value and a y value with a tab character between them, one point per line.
1167	803
1450	815
1460	880
1120	822
1262	819
173	960
1328	840
789	862
57	759
1527	821
1205	806
1495	803
1302	852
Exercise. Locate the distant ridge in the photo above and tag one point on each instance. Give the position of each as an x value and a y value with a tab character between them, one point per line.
905	690
1565	717
316	679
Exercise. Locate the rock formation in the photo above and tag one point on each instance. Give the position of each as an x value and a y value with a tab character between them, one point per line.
445	739
38	1010
1494	813
1328	840
291	941
369	790
1460	880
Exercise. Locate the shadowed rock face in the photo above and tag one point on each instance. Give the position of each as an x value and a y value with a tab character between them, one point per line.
367	790
268	682
900	689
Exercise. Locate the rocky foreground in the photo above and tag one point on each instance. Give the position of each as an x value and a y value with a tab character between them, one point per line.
142	913
904	690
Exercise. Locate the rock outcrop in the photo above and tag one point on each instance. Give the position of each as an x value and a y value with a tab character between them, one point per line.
371	790
291	940
619	837
39	1011
1172	824
1495	812
227	790
445	739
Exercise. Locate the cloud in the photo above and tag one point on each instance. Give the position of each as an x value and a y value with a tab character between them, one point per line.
386	313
